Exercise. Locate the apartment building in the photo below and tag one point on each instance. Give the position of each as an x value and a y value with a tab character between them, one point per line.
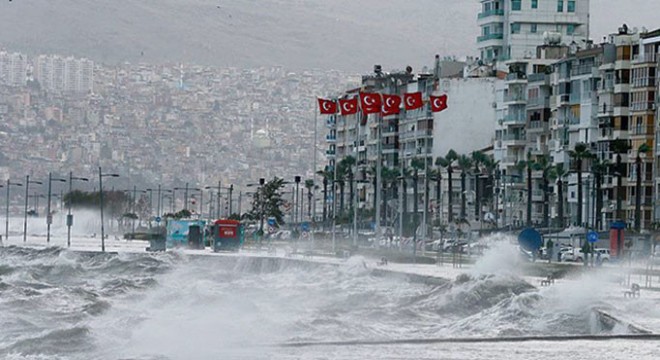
13	69
512	29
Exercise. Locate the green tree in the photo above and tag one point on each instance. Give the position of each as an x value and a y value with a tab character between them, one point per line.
416	165
465	165
558	173
528	165
309	185
347	164
619	147
599	169
479	159
327	177
447	162
267	202
579	154
544	165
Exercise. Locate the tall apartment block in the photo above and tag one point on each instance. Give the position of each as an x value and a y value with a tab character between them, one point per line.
512	29
56	73
13	69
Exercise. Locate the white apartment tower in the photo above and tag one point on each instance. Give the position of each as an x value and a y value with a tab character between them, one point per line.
69	74
13	69
512	29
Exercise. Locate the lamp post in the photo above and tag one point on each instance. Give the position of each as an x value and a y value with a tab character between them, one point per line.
69	216
49	215
8	185
185	194
296	208
27	197
101	175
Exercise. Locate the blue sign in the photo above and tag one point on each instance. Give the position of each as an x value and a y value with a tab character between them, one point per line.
158	219
304	226
592	237
530	240
271	221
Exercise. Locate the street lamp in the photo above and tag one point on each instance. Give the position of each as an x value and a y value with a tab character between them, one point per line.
9	184
49	216
185	194
101	175
27	196
69	216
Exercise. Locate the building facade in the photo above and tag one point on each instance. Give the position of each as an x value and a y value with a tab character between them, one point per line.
512	29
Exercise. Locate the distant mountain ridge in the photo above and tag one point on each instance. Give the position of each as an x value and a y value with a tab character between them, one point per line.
349	35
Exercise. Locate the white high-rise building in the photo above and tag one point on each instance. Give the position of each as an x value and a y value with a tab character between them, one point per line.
69	74
13	69
512	29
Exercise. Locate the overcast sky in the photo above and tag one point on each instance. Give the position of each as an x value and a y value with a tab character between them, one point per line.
349	35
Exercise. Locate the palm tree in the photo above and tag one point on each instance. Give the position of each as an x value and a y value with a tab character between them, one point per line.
619	147
416	165
447	162
478	159
327	178
522	165
490	166
465	165
543	164
643	149
579	154
559	173
309	185
599	169
347	164
436	175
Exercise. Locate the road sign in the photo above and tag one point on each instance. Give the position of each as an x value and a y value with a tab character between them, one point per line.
304	226
158	219
271	221
271	229
592	237
530	240
305	234
49	219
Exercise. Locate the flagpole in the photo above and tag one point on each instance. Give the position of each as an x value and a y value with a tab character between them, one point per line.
355	200
313	219
334	202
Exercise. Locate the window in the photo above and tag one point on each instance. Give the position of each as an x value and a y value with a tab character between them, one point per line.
534	28
560	5
570	29
516	5
535	4
515	28
571	6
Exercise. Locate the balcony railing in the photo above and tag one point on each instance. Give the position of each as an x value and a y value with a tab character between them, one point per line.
490	37
513	137
536	77
516	76
515	97
493	12
643	106
646	58
330	138
515	118
644	82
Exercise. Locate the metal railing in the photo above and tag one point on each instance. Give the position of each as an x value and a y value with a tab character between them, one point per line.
493	12
490	37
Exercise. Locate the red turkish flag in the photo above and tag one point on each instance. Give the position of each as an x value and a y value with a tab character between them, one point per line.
348	106
438	103
391	104
413	101
327	107
371	103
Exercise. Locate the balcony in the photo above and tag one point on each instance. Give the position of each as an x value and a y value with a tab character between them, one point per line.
515	98
582	69
646	58
493	12
515	119
516	77
537	77
330	138
514	140
643	106
537	126
415	134
537	195
644	82
330	153
483	38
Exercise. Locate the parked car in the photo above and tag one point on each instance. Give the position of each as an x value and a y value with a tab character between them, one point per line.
604	254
